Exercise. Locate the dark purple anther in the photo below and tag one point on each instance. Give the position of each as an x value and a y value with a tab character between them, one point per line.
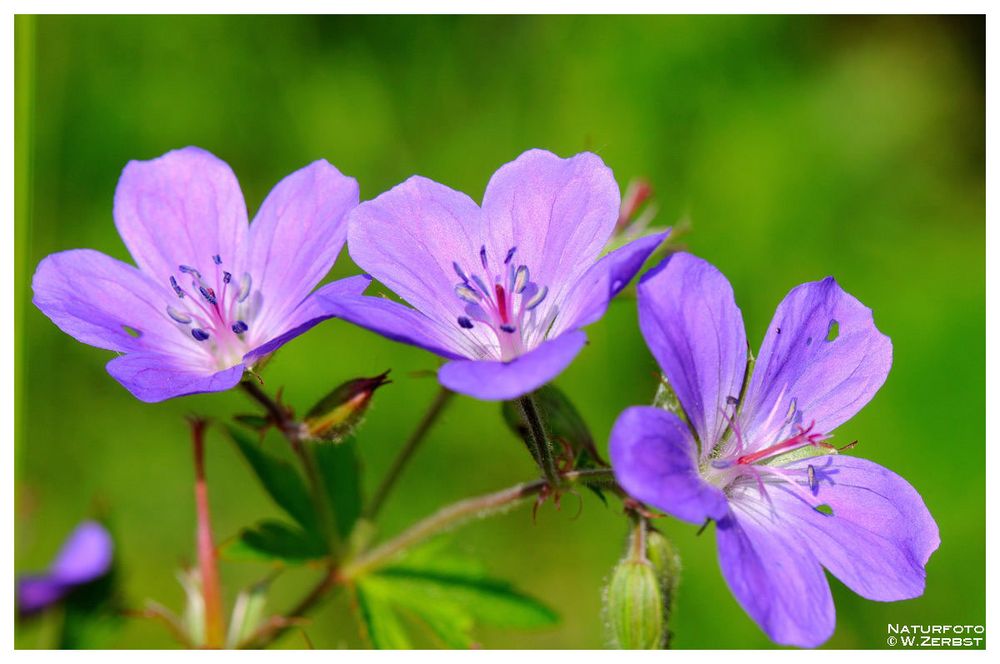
207	293
482	257
217	259
226	277
177	289
465	322
239	327
509	329
510	254
459	272
199	334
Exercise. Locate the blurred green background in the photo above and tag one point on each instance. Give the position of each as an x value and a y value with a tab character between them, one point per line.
798	147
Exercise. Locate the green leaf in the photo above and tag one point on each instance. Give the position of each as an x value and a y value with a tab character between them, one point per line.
341	474
382	624
257	423
281	481
448	596
488	601
275	540
447	622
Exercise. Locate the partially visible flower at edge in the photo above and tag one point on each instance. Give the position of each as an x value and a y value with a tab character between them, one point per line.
785	502
500	290
211	295
85	556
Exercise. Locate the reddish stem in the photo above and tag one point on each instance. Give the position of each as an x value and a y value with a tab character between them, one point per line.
207	559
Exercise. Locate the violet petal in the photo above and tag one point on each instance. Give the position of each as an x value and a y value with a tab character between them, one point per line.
152	378
493	380
655	460
181	208
296	237
803	379
692	325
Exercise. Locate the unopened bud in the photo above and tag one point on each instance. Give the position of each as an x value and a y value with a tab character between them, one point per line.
336	414
638	192
667	565
635	606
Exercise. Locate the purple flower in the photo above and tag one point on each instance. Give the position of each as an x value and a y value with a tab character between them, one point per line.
211	296
786	504
500	290
85	556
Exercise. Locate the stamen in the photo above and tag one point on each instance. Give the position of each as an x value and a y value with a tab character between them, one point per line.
177	289
521	279
226	277
482	257
245	283
466	293
185	269
481	284
178	316
217	259
199	334
537	299
510	254
465	322
458	270
811	473
208	294
509	329
239	327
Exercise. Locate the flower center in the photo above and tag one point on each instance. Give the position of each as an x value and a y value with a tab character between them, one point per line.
735	469
504	301
214	311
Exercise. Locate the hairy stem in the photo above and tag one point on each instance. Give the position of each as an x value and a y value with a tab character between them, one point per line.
291	430
447	517
437	406
278	415
542	444
211	588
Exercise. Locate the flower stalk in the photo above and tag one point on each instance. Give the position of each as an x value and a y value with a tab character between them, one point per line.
451	516
437	406
292	431
207	557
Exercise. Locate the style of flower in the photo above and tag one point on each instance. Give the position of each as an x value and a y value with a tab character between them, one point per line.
211	295
85	556
500	290
753	454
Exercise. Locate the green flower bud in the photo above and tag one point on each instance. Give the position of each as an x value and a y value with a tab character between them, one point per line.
336	414
667	565
634	606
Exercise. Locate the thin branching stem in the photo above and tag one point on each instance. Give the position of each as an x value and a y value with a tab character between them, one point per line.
211	588
451	516
437	406
292	431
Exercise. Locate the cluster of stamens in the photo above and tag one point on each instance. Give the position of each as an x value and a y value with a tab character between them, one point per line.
504	302
208	313
736	465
